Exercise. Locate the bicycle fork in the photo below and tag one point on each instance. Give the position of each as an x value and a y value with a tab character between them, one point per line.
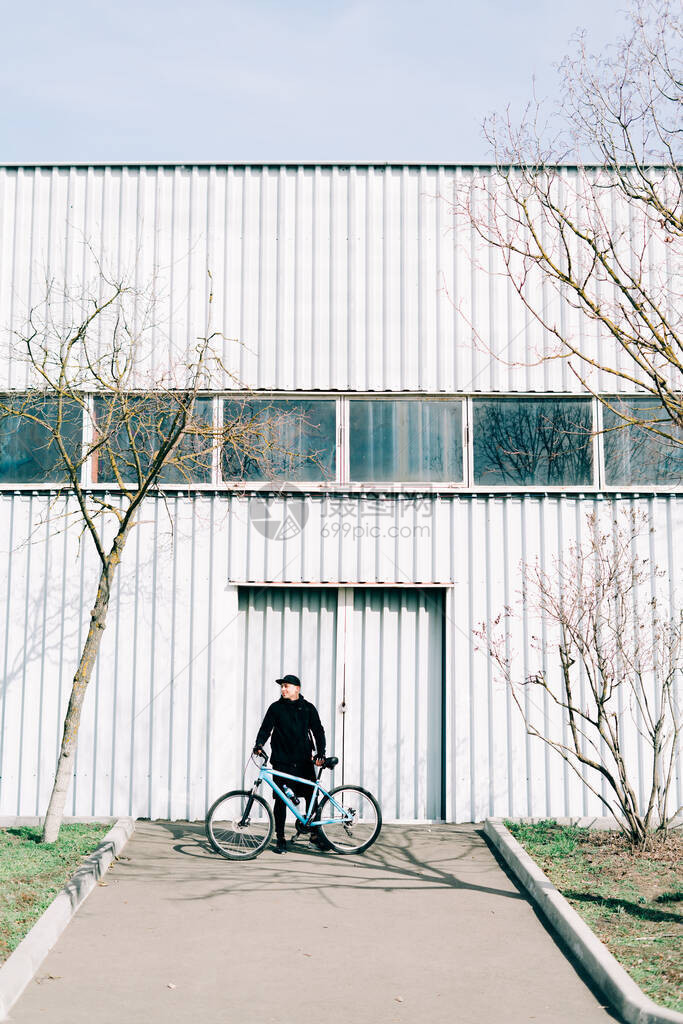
244	820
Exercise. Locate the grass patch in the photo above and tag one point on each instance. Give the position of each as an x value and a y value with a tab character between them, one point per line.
32	873
632	901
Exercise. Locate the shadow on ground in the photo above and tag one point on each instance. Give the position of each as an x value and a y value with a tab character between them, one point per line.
404	857
427	858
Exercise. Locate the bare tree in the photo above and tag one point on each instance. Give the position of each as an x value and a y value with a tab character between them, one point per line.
617	654
602	236
97	414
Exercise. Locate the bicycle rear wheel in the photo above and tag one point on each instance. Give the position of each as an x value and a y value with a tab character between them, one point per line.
226	833
354	819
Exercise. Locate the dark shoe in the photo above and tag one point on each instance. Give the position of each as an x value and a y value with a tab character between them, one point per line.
281	845
317	840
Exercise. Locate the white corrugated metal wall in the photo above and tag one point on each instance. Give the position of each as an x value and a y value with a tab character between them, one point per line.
164	727
338	278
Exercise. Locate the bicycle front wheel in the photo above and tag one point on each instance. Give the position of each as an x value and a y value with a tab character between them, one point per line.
225	831
352	819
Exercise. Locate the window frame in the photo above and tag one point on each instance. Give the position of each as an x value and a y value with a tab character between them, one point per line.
668	488
283	485
412	484
110	485
48	485
341	483
538	488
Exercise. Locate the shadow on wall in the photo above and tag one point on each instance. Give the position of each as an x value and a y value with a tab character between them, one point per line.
49	623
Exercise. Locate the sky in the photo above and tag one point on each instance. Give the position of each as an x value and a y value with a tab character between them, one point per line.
266	81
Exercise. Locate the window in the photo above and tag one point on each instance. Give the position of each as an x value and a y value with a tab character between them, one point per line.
279	439
635	455
406	440
28	450
133	431
515	442
532	441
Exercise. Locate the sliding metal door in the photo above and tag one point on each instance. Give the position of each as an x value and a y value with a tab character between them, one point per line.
391	690
371	659
286	630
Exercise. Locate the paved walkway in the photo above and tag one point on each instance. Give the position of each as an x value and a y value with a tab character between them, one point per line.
424	928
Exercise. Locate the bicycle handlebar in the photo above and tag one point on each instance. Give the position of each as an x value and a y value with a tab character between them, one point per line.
262	753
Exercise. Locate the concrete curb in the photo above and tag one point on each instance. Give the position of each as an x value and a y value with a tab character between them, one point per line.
22	964
33	821
618	986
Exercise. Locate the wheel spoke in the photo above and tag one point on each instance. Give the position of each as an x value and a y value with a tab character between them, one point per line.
353	819
226	833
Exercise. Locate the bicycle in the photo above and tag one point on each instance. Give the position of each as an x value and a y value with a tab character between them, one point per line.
348	817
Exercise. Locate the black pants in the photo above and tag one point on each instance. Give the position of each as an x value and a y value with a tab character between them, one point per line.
306	771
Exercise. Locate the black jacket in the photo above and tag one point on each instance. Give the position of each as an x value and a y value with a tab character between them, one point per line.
295	726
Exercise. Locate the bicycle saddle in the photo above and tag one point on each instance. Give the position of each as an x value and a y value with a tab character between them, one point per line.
331	762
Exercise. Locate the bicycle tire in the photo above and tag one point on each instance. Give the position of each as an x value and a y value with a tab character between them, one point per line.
357	837
227	836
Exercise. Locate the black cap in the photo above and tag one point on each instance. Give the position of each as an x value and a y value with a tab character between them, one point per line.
293	680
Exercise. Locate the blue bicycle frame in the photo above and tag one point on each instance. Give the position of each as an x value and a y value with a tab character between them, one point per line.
266	775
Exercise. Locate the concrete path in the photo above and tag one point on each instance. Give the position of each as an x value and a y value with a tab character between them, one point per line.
424	928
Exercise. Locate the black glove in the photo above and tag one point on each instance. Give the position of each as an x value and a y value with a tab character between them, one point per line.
258	750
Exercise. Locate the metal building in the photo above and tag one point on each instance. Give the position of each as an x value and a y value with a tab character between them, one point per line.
341	284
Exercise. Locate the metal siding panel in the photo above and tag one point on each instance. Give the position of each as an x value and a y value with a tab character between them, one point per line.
339	279
412	707
356	283
361	639
184	671
154	710
372	355
155	652
44	761
496	692
27	695
199	656
410	356
87	574
249	330
293	545
517	747
224	752
7	179
392	285
388	751
458	679
321	375
327	277
674	530
301	273
456	293
270	359
9	717
428	282
444	340
238	552
139	633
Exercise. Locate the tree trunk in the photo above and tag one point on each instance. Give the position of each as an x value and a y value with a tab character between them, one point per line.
98	620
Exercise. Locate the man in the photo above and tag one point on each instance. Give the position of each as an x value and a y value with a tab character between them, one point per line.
293	725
